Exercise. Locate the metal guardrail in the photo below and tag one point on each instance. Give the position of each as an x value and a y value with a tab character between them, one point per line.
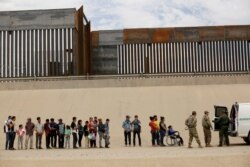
127	76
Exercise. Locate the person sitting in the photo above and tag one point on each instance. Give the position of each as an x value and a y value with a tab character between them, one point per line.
175	134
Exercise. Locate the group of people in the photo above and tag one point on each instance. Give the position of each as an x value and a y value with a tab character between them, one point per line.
223	121
159	130
57	133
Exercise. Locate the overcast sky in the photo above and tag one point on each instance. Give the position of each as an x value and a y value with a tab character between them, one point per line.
119	14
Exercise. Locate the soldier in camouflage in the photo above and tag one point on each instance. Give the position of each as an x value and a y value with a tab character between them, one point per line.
207	126
191	123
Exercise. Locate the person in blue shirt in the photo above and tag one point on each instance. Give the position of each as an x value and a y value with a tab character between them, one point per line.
127	130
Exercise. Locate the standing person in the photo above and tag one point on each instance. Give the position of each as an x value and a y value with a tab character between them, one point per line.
7	132
53	132
191	123
207	126
74	132
39	128
92	138
163	130
80	132
20	133
101	131
30	126
47	133
136	126
157	125
95	129
153	131
106	134
127	130
12	132
61	131
67	136
86	133
223	122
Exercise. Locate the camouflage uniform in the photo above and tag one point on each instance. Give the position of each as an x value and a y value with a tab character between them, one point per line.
223	122
206	124
192	122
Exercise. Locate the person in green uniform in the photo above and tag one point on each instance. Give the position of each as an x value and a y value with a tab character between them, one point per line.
223	122
191	123
207	126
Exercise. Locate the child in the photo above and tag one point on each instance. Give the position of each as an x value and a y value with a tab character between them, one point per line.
67	136
20	133
92	138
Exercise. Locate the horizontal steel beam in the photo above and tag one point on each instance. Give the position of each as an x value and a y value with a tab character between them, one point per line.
163	35
37	19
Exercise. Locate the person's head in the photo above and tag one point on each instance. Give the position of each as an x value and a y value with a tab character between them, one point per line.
9	117
162	119
90	119
13	118
170	126
155	118
47	120
20	126
194	113
107	121
151	118
206	112
79	122
29	120
52	120
136	117
95	118
60	121
127	117
38	119
74	119
100	120
68	127
86	122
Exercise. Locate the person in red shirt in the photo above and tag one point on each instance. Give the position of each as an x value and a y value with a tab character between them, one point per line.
154	131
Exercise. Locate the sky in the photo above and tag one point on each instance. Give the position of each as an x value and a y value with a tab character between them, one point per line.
120	14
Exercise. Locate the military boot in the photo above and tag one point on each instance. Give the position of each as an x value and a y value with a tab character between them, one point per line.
189	146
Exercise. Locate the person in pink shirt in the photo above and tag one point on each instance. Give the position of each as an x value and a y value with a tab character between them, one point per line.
20	133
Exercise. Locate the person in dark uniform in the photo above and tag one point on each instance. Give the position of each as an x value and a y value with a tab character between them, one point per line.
223	122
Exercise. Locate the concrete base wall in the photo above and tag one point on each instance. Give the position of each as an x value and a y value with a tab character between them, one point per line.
175	102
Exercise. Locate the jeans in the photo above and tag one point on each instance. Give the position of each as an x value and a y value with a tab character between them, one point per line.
155	137
101	134
47	141
61	140
80	139
127	136
38	141
27	139
139	137
20	142
162	135
53	139
74	139
7	140
67	142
